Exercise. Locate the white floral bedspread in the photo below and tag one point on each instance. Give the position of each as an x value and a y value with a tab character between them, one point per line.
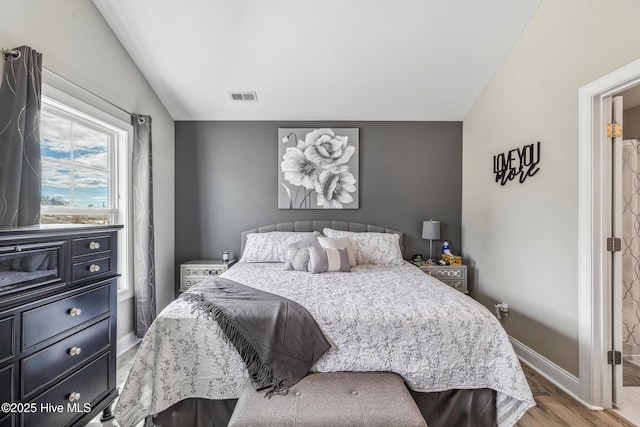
394	319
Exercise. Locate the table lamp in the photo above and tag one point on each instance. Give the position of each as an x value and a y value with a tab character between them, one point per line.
431	232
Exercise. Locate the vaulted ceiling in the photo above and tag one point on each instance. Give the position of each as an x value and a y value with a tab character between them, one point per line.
318	59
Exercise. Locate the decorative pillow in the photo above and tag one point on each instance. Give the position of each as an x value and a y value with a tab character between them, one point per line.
297	257
310	240
322	260
372	248
339	243
271	246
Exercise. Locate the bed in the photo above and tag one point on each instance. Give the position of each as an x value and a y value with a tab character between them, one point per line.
453	354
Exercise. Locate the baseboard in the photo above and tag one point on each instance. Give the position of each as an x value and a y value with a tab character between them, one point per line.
566	381
126	342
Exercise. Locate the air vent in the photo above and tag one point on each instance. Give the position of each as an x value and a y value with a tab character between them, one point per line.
244	96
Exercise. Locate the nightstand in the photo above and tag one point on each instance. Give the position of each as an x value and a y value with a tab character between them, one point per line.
452	275
197	270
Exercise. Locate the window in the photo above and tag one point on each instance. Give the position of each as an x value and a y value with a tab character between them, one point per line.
85	173
77	164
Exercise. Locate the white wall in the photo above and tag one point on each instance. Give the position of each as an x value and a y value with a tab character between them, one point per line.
522	239
77	44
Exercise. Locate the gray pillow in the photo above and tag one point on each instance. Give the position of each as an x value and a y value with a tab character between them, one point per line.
322	260
297	259
297	256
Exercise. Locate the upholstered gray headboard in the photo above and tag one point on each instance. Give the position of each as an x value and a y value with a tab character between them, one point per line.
318	225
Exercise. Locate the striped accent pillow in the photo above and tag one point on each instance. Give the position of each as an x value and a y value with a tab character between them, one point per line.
339	242
322	260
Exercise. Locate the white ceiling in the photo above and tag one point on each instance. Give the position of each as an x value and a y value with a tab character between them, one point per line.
318	60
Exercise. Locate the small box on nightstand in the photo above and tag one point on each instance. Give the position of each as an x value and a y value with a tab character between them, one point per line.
452	259
197	270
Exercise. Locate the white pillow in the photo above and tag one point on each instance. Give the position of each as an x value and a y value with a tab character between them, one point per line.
372	248
339	243
271	246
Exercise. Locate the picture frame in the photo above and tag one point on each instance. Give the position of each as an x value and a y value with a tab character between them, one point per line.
318	168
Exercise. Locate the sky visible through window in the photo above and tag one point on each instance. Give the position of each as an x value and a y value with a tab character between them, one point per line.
75	163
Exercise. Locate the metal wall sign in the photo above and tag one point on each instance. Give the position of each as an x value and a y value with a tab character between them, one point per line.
518	163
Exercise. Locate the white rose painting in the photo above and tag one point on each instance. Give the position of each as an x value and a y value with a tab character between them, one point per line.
318	168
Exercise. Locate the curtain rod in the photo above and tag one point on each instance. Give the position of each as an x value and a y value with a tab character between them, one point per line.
86	91
7	52
16	54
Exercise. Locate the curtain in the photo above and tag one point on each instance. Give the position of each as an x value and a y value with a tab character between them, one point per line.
143	244
631	243
20	164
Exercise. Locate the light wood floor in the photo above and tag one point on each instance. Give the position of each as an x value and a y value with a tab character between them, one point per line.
630	404
556	408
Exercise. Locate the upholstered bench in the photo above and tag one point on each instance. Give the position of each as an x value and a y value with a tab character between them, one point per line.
371	399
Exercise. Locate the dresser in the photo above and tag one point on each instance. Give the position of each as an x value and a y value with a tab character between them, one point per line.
197	270
452	275
58	298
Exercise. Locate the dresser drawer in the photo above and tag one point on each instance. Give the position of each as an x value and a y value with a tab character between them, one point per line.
6	390
452	275
203	272
185	284
8	349
7	421
27	266
91	245
46	365
197	270
90	382
92	268
447	273
51	319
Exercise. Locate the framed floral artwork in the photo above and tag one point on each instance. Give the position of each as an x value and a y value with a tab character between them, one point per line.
318	168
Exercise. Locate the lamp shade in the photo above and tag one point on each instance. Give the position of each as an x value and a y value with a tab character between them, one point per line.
431	230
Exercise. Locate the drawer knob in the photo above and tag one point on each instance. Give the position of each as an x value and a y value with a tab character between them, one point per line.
94	268
75	312
74	351
94	245
74	396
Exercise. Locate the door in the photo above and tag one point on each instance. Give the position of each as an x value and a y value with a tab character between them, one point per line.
617	247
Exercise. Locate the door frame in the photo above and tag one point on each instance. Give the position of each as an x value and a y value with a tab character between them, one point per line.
594	216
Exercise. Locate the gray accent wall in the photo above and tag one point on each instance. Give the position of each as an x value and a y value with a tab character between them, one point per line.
227	178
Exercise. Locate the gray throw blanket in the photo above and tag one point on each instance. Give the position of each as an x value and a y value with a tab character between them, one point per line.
277	338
